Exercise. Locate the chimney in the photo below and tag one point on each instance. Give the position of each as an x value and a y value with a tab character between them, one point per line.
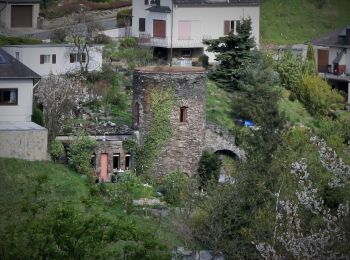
347	41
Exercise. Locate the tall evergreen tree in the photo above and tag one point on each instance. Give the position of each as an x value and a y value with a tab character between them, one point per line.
234	54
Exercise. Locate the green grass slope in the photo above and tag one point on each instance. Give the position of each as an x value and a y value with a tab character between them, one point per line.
297	21
49	211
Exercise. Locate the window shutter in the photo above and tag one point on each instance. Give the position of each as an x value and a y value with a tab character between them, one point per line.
42	59
53	58
227	27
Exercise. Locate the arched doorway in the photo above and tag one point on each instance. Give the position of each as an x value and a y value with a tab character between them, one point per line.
229	165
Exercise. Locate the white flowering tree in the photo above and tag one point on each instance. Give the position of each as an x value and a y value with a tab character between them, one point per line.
327	237
59	96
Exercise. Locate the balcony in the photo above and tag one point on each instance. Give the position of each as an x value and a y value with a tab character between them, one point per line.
149	40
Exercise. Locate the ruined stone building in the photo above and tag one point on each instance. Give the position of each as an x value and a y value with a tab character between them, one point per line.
191	134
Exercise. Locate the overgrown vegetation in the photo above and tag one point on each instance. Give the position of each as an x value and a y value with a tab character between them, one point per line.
8	40
158	134
56	216
287	169
176	185
298	21
79	154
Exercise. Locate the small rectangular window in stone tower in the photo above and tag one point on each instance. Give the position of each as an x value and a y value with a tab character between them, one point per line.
183	114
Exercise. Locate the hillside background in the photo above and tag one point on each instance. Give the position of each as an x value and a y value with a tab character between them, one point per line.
297	21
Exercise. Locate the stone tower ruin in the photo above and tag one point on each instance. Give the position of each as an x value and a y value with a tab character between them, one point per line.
188	119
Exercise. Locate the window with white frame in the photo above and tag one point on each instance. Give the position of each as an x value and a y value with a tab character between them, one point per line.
9	97
75	57
231	26
44	58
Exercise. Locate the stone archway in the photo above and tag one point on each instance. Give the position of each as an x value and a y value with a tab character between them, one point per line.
217	139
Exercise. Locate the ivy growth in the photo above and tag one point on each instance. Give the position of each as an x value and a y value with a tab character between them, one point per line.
159	132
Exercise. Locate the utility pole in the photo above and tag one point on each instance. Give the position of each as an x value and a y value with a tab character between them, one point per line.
171	33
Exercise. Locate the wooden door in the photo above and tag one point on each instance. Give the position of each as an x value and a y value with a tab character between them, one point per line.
21	16
104	167
159	28
323	57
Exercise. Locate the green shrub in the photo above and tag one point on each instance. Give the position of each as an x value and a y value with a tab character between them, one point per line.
209	168
127	185
204	60
37	116
123	18
79	154
176	186
128	42
56	149
318	97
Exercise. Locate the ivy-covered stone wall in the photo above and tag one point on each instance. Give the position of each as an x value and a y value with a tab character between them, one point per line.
183	149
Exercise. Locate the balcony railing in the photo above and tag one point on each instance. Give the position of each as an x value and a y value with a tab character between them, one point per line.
149	40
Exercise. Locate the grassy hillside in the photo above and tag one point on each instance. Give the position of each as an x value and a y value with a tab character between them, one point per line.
49	211
297	21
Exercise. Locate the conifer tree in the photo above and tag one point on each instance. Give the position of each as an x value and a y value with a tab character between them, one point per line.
234	53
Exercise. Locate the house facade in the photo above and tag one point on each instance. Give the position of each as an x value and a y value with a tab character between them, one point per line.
19	137
183	25
19	14
332	55
56	58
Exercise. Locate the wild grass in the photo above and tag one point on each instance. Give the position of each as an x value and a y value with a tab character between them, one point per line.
27	184
294	111
297	21
219	108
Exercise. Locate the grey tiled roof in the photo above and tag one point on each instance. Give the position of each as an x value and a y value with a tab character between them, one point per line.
11	68
335	38
217	2
159	9
21	1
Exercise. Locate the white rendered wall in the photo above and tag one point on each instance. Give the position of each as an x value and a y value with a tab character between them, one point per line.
30	56
347	60
22	111
207	22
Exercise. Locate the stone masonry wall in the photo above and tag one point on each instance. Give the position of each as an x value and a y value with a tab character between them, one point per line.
185	147
24	144
217	139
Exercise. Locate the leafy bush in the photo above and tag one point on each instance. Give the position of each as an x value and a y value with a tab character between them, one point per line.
123	18
176	186
80	153
209	168
318	97
128	42
127	185
7	40
102	39
37	116
204	60
56	149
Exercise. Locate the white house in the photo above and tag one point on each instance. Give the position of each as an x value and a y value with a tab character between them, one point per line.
19	137
332	54
56	58
184	24
19	14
